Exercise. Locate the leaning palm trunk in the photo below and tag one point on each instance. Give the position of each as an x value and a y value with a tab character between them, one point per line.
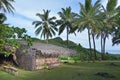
90	53
95	56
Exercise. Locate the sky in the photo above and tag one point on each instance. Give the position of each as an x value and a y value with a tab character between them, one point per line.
25	14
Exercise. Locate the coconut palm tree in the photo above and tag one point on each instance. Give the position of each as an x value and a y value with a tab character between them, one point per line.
109	21
46	26
6	6
67	17
90	19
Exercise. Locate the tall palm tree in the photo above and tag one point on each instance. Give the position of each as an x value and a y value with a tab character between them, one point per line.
90	19
109	21
66	21
6	6
46	26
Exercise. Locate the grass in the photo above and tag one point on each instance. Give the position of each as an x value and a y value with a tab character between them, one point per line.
76	71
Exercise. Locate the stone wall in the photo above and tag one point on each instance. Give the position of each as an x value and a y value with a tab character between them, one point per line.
26	60
33	58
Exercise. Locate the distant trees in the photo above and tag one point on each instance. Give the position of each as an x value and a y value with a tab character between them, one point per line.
46	26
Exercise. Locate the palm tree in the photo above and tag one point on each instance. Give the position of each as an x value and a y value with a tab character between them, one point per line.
90	19
66	21
6	6
109	21
46	26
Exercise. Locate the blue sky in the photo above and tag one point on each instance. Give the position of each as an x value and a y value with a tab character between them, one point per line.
25	14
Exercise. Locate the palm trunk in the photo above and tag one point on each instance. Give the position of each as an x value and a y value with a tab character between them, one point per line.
95	56
67	35
101	47
90	54
47	38
104	43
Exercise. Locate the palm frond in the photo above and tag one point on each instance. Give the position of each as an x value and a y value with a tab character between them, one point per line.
38	30
36	23
52	18
88	4
52	32
83	10
6	6
61	28
111	5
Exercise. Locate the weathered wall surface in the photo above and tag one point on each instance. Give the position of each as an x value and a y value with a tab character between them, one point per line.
34	57
53	49
26	60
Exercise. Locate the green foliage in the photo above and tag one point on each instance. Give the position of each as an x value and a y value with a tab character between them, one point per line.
62	57
45	66
112	56
6	54
69	59
8	38
27	39
24	51
111	5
